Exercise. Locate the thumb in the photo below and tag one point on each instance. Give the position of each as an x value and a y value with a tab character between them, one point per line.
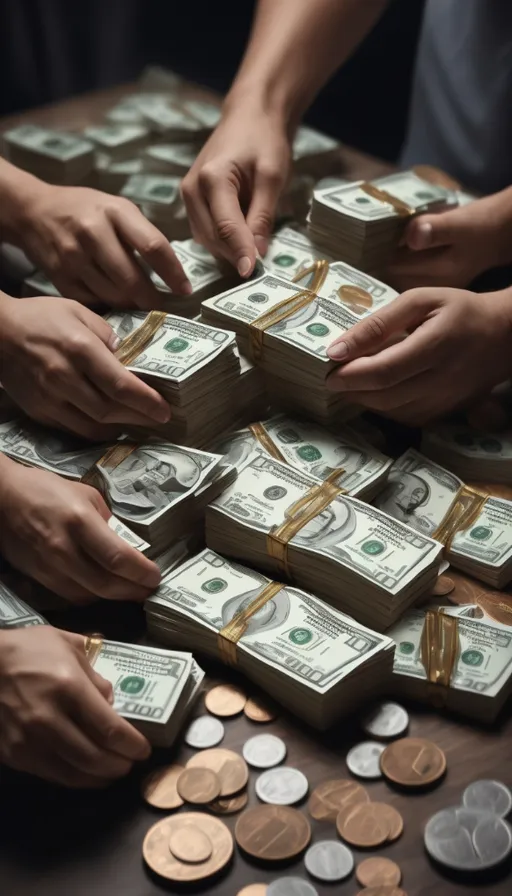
260	218
432	231
100	328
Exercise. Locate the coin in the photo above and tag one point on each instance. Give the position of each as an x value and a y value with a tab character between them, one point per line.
198	786
230	804
291	886
488	796
159	787
253	890
204	732
382	891
468	840
329	797
413	762
260	710
225	700
264	751
377	871
362	826
385	720
329	860
391	817
190	844
160	859
282	786
363	759
272	833
228	766
443	586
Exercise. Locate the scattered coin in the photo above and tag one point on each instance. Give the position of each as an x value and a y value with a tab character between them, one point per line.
377	871
254	890
225	700
363	760
258	709
264	751
204	732
392	818
468	840
361	825
443	586
227	765
190	844
273	833
488	796
329	860
291	886
161	860
198	786
159	787
385	720
329	797
282	786
382	891
230	804
413	762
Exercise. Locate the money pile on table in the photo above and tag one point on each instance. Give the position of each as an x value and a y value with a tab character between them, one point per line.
362	469
54	156
15	613
158	197
290	253
476	528
118	141
360	560
362	223
469	453
169	158
110	175
205	275
220	608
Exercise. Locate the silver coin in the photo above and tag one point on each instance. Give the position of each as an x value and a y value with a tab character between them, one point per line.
264	751
488	796
385	720
468	840
282	786
291	886
363	759
329	861
204	732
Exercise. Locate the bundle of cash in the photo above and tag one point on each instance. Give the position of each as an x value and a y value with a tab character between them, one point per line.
111	175
290	253
471	454
185	121
193	365
158	197
170	158
277	633
118	141
362	470
154	689
205	275
360	560
15	613
315	153
362	223
54	156
475	659
475	528
287	330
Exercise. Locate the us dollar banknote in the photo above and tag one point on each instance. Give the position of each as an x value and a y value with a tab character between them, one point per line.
343	283
15	613
291	252
404	186
48	449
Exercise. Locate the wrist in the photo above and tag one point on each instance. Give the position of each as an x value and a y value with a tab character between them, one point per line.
254	98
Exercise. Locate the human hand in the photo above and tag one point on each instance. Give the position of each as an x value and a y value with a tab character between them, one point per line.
231	191
84	240
57	532
57	363
453	248
55	713
458	346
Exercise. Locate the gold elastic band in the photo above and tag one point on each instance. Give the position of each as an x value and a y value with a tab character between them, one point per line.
401	208
229	636
136	342
92	646
276	314
319	269
439	649
110	460
261	435
465	509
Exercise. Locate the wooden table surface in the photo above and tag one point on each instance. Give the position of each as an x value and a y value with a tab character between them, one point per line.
59	843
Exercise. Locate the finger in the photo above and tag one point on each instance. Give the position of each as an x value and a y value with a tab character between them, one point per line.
415	389
84	754
48	766
434	267
76	290
99	326
133	228
65	416
86	398
430	231
91	575
262	210
199	218
107	549
106	728
232	235
99	284
123	387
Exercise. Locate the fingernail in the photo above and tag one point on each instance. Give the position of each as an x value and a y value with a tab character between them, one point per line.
186	288
424	235
111	696
244	266
114	343
261	244
338	352
162	414
152	579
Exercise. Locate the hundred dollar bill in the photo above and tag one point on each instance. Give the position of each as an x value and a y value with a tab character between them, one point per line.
112	138
290	252
172	158
54	144
48	449
153	190
404	186
343	283
15	613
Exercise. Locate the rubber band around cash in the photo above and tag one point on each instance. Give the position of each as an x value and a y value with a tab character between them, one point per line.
230	635
276	314
114	456
319	269
135	343
92	646
401	208
464	511
439	649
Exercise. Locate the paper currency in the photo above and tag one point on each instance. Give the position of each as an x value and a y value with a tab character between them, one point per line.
54	156
38	284
170	158
291	252
204	273
119	141
470	453
15	613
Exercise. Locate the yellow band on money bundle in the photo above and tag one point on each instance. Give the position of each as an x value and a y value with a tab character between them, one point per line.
464	511
135	343
110	460
229	636
439	649
319	270
351	295
92	646
276	314
266	441
400	207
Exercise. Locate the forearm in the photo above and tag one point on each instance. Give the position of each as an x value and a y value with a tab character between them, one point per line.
295	46
17	190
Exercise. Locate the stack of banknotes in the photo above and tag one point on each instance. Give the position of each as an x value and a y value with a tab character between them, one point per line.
205	275
173	159
118	141
471	454
54	156
158	197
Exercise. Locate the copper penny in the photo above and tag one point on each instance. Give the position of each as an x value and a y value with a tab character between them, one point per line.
191	845
198	786
363	826
229	767
225	700
254	890
273	833
229	804
443	586
413	762
382	891
159	787
160	859
436	176
377	872
330	797
260	710
392	818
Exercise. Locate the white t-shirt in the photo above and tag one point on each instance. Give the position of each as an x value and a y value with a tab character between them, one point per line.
461	113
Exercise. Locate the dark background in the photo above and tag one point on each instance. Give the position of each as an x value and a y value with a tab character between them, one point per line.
52	49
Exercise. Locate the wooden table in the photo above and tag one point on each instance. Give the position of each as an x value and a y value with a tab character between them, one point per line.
58	843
